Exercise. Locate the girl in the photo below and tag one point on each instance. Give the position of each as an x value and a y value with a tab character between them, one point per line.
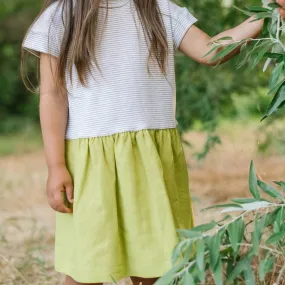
117	176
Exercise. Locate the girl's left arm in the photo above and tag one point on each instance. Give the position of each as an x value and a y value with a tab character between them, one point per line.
197	43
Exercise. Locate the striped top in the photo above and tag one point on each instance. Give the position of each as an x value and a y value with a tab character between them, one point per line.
124	96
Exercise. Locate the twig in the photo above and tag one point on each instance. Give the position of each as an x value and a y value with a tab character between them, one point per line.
281	272
15	269
278	32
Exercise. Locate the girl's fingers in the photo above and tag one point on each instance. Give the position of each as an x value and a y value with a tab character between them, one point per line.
69	192
61	208
282	12
281	3
56	202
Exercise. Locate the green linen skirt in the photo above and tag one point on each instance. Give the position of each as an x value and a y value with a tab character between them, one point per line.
130	195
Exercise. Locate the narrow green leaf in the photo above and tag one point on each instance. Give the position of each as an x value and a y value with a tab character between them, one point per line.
276	227
265	47
255	237
114	281
204	227
278	99
280	218
269	264
222	206
253	182
261	270
273	5
275	88
255	205
281	184
189	233
273	55
225	51
218	273
276	74
265	32
271	217
177	252
227	217
227	38
249	275
200	249
261	224
170	275
262	15
213	244
236	232
243	54
238	269
269	190
188	252
246	50
188	279
257	9
212	50
275	238
230	266
244	200
243	11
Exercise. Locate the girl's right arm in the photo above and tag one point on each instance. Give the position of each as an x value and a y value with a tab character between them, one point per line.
53	117
196	43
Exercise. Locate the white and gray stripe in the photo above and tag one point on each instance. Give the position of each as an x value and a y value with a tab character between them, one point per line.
124	96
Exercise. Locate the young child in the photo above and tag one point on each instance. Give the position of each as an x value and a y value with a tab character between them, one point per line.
117	175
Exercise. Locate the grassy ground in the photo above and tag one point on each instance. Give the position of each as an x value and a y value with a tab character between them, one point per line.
27	223
26	142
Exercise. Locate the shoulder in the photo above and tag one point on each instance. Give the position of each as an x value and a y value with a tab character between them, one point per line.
46	33
51	17
171	8
175	9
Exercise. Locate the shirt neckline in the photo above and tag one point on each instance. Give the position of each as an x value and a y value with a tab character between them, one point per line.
113	3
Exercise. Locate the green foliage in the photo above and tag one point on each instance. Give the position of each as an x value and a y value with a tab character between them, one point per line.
270	46
15	101
228	251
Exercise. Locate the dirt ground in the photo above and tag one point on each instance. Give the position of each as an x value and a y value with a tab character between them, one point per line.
27	223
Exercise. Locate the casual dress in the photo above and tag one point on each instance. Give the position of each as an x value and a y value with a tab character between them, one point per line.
123	149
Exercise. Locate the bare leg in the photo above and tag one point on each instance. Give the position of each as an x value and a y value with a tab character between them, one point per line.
70	281
142	281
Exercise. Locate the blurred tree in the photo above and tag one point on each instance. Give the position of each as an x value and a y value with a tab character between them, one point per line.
15	101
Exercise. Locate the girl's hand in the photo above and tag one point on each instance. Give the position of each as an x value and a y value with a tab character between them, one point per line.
196	43
281	3
59	181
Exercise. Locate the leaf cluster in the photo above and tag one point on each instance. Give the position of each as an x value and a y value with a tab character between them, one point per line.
242	249
270	47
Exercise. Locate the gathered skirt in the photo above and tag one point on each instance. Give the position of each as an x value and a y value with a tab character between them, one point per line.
131	194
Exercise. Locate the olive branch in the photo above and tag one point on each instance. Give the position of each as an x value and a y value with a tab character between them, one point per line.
248	248
269	46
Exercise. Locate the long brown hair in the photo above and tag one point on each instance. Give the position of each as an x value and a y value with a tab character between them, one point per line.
78	45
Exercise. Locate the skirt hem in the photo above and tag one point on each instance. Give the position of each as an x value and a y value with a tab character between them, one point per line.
100	277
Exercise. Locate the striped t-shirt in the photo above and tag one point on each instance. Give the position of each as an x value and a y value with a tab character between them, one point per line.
123	96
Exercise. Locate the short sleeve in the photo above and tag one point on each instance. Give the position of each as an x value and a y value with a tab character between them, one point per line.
182	20
46	33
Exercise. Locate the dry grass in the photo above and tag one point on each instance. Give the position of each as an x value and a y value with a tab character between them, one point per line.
27	223
224	173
